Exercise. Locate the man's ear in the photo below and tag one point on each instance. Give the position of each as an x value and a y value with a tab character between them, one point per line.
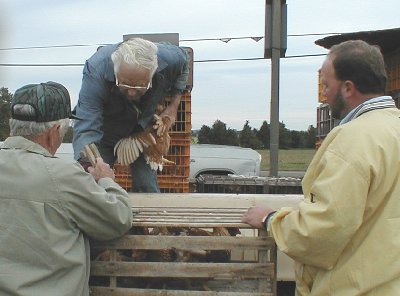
349	88
53	137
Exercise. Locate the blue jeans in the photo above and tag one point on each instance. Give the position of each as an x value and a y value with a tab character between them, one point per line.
144	179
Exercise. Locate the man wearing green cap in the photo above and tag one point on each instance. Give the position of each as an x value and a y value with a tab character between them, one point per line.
49	206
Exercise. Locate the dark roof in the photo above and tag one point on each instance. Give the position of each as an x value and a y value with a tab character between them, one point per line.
388	40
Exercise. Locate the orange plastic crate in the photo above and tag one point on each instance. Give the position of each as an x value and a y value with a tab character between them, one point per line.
179	153
174	177
184	115
168	184
321	97
123	176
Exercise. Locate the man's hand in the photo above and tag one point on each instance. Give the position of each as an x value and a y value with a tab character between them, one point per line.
166	119
256	215
90	153
101	170
162	124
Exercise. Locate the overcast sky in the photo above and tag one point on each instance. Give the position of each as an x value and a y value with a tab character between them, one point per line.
231	91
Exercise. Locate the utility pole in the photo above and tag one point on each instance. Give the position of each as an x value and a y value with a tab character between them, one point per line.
275	36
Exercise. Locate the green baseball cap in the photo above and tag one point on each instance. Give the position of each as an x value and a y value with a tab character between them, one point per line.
48	101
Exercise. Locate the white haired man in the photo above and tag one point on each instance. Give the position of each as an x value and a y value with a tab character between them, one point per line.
49	207
121	87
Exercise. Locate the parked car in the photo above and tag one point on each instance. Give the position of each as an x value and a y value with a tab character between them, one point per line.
207	159
223	160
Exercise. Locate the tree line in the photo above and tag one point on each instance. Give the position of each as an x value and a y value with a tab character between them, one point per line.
217	134
256	139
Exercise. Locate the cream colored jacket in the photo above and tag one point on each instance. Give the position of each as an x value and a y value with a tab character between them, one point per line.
345	236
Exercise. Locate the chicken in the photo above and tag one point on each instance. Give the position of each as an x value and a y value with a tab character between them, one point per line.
153	142
107	255
165	255
154	154
204	255
219	255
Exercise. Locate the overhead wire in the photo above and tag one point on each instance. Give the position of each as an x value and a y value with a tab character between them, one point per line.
223	39
181	40
195	61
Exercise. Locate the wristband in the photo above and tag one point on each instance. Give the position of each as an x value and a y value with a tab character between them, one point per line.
267	218
85	164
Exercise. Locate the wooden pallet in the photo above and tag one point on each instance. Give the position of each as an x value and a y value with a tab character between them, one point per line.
233	278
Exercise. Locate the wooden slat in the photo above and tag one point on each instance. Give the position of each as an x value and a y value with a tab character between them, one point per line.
191	209
188	217
183	270
214	200
104	291
113	279
152	242
264	257
179	219
178	223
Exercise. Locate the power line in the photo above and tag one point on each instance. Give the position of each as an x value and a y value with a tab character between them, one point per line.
40	65
223	39
195	61
51	46
257	38
305	56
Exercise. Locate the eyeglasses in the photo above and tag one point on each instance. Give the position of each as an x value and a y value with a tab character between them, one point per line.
124	86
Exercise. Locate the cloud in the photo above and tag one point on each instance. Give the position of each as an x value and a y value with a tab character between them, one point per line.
230	91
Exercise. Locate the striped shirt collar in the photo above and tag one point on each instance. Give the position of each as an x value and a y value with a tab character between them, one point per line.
369	105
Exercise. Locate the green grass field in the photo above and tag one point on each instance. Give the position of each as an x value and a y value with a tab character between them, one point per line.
288	160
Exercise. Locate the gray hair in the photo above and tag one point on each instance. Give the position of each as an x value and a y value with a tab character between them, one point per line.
137	52
30	129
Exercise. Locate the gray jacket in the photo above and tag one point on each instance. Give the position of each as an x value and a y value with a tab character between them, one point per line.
48	209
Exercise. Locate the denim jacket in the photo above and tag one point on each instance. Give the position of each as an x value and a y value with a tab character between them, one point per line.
106	116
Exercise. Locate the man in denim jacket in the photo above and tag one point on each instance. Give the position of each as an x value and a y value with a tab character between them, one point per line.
121	87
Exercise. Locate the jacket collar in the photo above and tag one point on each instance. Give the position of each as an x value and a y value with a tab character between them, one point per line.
21	143
369	105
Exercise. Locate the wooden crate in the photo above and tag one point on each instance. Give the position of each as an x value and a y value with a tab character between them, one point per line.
248	185
173	184
234	277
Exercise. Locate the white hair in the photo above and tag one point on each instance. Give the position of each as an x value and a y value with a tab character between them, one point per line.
32	128
136	52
